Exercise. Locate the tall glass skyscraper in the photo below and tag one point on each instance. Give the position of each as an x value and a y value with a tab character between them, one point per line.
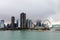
23	20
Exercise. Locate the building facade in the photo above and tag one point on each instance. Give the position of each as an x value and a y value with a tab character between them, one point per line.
12	22
28	23
1	23
22	20
38	23
17	23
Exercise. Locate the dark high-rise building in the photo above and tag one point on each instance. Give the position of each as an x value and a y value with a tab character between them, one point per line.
12	22
8	26
23	20
28	23
38	23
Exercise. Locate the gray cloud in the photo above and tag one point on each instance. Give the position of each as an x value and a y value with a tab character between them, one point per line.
35	9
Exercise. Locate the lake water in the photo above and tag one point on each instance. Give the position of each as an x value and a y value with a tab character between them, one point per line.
29	35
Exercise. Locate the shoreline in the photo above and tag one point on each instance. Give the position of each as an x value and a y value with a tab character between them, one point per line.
4	29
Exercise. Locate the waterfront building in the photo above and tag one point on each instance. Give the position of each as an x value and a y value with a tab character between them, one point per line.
43	25
13	22
33	26
16	23
38	23
1	23
8	26
28	23
55	27
23	20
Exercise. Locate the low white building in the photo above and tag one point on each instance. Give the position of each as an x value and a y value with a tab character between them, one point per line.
55	28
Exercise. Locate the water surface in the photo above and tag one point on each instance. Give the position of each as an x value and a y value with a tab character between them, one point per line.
29	35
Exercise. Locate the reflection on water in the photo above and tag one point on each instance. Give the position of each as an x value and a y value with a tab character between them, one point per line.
29	35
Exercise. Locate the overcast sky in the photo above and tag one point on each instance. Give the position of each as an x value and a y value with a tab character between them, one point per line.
35	9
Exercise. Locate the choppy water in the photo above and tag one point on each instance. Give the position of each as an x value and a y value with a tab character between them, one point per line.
29	35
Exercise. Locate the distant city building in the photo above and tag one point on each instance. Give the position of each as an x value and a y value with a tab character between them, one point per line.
38	23
33	26
13	22
16	23
46	23
8	26
1	23
43	25
23	20
55	27
28	23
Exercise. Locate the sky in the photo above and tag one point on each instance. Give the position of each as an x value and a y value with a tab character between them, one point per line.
34	9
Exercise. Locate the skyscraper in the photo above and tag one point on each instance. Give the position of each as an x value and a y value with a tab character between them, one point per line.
1	23
12	22
23	20
28	23
38	23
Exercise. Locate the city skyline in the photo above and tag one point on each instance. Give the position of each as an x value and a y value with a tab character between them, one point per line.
35	9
